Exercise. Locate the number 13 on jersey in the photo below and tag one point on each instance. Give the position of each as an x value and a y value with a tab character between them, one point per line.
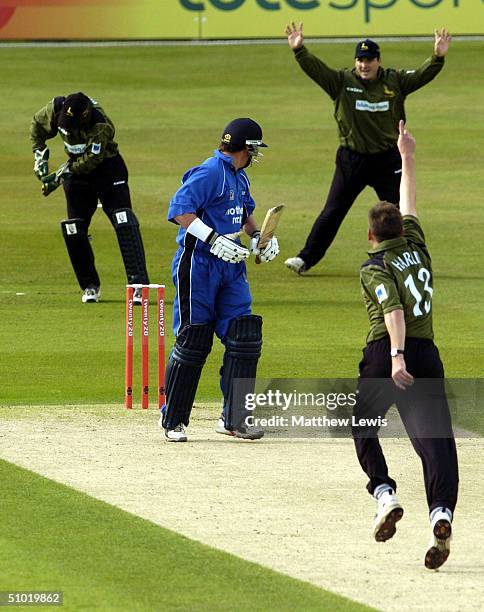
423	301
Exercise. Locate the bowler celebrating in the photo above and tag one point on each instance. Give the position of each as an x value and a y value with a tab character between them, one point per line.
397	286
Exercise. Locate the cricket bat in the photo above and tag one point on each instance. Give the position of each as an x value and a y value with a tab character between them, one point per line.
269	227
267	230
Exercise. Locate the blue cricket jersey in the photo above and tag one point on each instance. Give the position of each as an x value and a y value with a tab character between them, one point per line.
217	194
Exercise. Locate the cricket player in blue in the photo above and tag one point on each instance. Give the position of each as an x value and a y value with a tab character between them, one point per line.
211	206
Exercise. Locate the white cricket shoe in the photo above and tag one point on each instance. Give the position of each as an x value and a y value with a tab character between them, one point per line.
296	264
245	432
439	547
176	435
389	512
137	296
91	294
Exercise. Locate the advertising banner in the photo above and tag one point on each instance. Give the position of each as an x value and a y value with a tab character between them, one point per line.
209	19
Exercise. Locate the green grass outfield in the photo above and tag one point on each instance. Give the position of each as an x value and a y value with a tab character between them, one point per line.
169	105
57	539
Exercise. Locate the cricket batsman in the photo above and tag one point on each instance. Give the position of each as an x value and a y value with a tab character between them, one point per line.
210	278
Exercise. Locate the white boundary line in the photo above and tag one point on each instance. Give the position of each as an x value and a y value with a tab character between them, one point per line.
220	43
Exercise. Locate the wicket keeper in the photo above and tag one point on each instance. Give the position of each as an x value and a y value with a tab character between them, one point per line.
397	287
93	171
210	278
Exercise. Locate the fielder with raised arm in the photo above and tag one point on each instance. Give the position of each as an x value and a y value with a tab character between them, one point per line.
209	274
368	104
397	286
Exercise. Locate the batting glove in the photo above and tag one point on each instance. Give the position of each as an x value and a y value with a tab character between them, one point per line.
254	243
226	249
41	164
270	251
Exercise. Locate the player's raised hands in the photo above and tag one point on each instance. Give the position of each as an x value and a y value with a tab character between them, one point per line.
406	142
442	42
295	36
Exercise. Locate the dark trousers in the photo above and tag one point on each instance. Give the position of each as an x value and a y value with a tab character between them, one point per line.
108	184
354	171
423	409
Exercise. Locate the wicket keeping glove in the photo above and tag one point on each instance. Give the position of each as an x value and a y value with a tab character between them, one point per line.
41	164
54	179
227	249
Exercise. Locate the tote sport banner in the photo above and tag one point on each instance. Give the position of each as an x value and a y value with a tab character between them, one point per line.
205	19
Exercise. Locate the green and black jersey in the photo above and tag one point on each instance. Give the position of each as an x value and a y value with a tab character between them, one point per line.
86	147
368	112
398	275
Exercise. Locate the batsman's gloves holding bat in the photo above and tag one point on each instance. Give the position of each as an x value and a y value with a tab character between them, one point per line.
54	179
41	163
227	249
254	243
221	246
268	252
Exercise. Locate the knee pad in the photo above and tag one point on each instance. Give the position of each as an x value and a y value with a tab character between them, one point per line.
192	346
243	345
131	245
80	252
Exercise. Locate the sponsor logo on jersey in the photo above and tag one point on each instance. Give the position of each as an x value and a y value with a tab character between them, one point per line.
235	210
355	89
75	149
381	293
236	213
372	107
96	148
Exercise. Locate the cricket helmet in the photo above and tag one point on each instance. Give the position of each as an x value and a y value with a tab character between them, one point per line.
243	132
